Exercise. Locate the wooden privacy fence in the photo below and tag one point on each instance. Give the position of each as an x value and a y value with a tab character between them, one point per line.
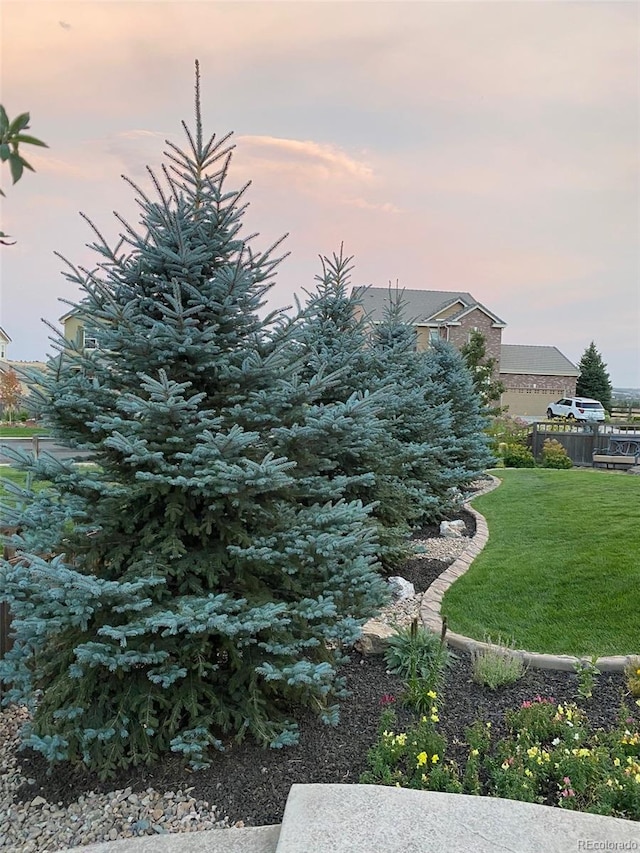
578	439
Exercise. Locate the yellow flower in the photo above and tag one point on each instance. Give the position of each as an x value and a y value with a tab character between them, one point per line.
528	772
435	718
435	758
532	752
421	759
432	694
616	762
424	777
401	739
475	752
505	765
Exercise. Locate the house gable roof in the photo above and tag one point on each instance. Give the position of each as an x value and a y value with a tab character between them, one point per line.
4	336
540	360
423	306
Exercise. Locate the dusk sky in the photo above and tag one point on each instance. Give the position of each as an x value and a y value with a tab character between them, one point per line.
470	146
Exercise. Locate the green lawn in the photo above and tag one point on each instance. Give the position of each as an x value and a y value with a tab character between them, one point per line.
561	570
17	477
21	431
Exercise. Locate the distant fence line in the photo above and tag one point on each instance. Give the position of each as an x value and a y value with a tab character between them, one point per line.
625	411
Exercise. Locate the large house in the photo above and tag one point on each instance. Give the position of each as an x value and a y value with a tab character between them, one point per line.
532	376
5	340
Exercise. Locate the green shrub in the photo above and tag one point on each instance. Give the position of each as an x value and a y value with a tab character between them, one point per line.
495	665
421	659
554	455
505	430
415	651
517	456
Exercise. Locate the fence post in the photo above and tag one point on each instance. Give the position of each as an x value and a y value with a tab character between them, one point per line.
534	440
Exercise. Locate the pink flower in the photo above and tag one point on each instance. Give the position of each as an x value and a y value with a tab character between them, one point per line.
387	699
567	780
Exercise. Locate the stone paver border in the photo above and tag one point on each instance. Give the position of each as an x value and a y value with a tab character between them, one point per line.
432	599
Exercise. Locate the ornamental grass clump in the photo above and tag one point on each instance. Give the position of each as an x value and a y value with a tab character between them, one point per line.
496	665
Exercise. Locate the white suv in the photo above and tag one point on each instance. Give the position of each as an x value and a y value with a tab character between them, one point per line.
578	408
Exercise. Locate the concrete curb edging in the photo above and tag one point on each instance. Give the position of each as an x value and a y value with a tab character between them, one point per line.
432	599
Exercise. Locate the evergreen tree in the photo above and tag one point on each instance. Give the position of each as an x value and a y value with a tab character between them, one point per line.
471	451
407	460
482	371
420	415
594	379
333	334
184	588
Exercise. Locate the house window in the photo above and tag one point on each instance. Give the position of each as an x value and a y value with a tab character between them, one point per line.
471	331
434	335
89	342
3	350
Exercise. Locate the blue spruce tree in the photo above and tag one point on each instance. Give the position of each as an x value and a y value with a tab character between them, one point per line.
421	416
402	463
470	452
185	587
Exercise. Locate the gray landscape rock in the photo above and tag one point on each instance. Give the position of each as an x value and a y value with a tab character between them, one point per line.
453	529
375	636
401	588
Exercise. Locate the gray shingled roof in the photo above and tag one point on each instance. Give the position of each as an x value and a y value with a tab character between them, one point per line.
420	305
544	361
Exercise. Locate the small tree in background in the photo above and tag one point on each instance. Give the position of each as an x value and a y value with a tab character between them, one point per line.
482	371
594	380
10	391
186	588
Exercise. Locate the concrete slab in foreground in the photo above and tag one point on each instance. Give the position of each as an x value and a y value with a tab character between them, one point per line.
258	839
368	818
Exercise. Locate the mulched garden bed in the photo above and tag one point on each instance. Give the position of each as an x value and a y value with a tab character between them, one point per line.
251	784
